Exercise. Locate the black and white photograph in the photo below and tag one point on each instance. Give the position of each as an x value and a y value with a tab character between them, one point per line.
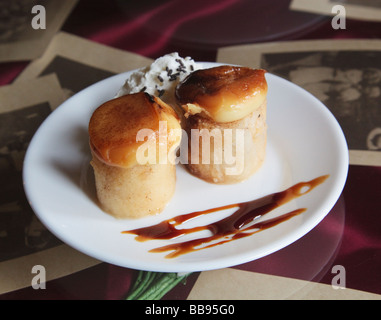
348	83
65	69
14	20
21	232
27	26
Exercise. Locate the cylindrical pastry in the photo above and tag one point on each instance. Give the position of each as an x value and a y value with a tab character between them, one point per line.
133	142
226	107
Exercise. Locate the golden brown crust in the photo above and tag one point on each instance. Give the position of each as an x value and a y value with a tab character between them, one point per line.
224	93
114	126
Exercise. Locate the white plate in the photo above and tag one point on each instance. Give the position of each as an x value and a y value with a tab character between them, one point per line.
304	142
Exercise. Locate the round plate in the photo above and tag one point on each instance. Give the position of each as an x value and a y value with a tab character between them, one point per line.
304	142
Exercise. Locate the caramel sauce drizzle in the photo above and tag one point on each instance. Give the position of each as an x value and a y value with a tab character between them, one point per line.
236	226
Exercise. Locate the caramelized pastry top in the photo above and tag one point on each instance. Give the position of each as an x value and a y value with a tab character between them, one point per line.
224	93
114	126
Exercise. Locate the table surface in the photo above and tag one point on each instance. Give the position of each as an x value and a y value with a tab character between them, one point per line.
349	236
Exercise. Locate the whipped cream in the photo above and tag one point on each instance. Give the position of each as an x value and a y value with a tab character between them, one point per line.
161	77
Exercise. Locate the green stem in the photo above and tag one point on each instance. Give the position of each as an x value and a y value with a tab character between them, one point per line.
167	286
147	278
153	285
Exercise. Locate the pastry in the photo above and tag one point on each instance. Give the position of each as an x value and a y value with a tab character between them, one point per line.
122	132
226	105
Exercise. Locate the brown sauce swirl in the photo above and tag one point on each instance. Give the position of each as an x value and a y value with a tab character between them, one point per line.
236	226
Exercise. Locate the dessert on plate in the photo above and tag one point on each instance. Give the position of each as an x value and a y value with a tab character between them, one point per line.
228	105
135	136
130	184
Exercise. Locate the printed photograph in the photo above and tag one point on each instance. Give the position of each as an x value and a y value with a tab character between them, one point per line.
348	82
15	19
21	232
19	40
74	76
